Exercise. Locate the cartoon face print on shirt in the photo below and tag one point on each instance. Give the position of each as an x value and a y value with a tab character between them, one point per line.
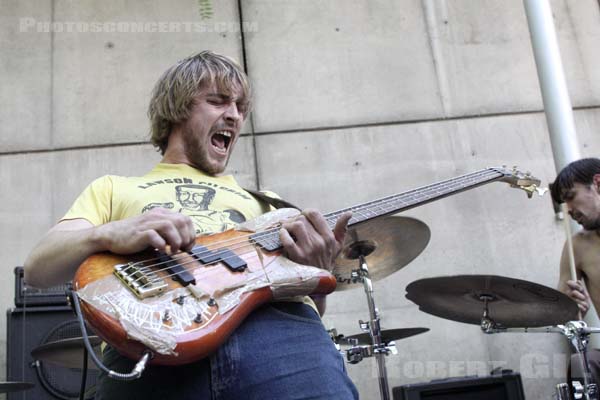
195	197
195	200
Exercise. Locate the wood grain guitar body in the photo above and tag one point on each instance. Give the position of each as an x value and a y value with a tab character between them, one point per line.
184	320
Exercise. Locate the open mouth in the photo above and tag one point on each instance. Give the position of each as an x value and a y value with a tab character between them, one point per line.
221	140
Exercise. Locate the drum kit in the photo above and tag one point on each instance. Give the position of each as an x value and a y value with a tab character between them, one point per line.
497	304
377	249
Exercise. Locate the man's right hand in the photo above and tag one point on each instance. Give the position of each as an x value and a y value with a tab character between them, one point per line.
578	292
60	252
157	228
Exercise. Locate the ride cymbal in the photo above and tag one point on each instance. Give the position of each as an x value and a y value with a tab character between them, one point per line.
511	303
390	242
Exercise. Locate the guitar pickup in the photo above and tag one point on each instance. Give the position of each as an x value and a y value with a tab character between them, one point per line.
177	271
234	262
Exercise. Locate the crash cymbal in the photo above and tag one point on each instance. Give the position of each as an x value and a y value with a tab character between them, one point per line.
511	303
67	353
391	243
387	335
7	387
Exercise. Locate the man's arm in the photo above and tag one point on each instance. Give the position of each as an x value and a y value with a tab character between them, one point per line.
57	256
309	240
576	290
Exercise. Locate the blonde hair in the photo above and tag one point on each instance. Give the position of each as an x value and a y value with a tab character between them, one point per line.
173	95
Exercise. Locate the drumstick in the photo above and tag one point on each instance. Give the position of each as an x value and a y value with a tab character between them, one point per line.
567	222
570	251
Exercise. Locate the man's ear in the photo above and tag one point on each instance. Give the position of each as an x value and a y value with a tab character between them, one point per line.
596	182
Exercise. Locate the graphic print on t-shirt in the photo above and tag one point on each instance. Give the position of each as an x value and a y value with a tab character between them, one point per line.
194	200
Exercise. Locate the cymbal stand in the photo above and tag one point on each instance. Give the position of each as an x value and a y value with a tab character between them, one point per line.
578	334
379	349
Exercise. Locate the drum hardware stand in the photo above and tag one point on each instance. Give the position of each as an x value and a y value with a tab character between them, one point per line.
578	334
359	250
336	338
486	322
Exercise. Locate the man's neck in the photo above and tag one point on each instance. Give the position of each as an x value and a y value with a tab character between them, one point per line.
166	160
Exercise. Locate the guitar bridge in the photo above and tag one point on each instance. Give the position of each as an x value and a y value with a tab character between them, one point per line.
140	280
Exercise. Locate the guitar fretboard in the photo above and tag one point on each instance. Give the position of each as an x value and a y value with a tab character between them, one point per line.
393	204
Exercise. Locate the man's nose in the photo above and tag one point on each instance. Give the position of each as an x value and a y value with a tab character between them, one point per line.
570	210
232	113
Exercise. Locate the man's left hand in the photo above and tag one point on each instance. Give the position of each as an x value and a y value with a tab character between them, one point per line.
579	294
309	240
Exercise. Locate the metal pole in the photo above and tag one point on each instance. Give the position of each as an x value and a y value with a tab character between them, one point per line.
375	331
557	104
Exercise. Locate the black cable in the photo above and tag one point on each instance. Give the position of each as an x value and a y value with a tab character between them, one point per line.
84	374
137	370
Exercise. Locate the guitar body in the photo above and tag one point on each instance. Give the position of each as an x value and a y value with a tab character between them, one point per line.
185	323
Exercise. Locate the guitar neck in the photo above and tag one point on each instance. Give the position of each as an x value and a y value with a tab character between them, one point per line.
416	197
396	203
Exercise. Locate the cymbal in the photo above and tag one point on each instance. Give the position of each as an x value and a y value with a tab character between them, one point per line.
67	353
512	303
387	335
7	387
394	241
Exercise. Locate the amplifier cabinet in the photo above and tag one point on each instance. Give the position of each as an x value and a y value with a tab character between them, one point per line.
28	328
507	386
28	296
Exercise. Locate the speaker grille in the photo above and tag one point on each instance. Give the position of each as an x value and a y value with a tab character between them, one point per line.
28	328
63	383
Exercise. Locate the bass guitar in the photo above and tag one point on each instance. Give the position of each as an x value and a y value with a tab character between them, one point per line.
182	307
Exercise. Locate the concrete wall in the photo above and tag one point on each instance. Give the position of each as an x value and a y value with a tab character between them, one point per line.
353	100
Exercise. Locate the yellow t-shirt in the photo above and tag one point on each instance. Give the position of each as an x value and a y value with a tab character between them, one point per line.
214	204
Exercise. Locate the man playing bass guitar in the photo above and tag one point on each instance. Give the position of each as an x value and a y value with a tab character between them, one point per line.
281	350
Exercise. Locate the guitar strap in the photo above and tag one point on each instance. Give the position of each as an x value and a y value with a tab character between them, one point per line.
273	201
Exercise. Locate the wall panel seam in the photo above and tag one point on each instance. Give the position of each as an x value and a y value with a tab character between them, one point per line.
307	130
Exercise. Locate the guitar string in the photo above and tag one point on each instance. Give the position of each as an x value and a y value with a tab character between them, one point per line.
241	240
238	245
271	231
246	243
383	201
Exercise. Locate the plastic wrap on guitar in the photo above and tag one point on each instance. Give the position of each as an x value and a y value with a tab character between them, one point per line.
154	322
157	321
267	220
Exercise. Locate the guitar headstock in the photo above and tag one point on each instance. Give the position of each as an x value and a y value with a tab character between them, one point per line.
520	180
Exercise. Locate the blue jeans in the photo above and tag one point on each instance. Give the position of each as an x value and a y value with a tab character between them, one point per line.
281	351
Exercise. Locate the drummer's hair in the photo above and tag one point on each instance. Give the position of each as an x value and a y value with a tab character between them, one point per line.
580	171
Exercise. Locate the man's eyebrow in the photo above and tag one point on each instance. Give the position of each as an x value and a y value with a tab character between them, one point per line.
567	193
226	97
219	95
